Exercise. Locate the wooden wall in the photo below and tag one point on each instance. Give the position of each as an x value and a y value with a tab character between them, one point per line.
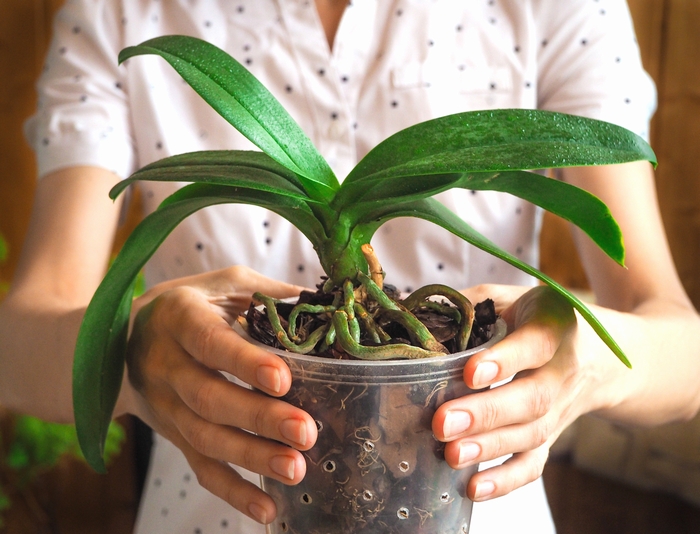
676	133
24	36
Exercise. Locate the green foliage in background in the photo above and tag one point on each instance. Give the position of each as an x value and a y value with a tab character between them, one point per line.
35	446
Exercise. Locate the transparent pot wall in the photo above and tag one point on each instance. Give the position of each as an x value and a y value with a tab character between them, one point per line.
376	467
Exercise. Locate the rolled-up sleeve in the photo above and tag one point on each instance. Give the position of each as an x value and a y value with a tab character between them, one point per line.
589	63
83	117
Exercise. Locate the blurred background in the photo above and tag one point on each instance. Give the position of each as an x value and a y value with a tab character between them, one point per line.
601	478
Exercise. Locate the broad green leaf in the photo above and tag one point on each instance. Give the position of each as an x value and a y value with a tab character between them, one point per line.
294	210
251	170
243	101
498	140
565	200
100	349
225	167
433	211
98	366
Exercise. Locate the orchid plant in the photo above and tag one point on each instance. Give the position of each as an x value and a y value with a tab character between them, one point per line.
482	150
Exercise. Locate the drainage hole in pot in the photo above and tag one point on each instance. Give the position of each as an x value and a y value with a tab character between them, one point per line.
445	497
368	446
319	425
284	526
306	498
367	495
403	466
402	513
329	466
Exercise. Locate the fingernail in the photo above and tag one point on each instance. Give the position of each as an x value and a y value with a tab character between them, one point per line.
456	422
485	372
468	452
294	430
269	377
258	512
484	489
283	466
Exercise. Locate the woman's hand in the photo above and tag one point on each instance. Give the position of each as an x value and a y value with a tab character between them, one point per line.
180	344
525	416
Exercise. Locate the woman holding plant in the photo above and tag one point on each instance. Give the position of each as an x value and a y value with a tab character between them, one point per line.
351	76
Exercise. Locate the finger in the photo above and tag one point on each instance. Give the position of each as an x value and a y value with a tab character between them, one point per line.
540	320
524	400
517	471
232	288
518	438
501	295
238	447
223	481
531	346
209	339
215	399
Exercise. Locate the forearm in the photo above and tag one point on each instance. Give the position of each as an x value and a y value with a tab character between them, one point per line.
62	261
37	353
37	360
662	340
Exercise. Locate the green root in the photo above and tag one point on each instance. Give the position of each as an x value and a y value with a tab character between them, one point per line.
300	348
420	298
419	334
383	352
348	318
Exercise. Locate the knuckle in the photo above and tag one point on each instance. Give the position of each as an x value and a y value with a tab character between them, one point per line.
198	436
258	419
238	272
548	344
534	467
488	415
541	432
540	399
173	301
203	399
248	459
204	475
204	336
500	446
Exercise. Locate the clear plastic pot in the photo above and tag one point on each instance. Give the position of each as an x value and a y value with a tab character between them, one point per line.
376	467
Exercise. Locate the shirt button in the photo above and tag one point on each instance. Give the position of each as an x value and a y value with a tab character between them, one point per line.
337	129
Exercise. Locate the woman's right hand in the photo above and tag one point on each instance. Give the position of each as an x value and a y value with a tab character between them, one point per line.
180	344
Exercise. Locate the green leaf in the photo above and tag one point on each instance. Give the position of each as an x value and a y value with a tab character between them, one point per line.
98	366
100	349
255	170
433	211
244	102
296	211
250	170
493	141
565	200
501	140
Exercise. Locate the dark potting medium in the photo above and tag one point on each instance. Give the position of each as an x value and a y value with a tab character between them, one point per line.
376	467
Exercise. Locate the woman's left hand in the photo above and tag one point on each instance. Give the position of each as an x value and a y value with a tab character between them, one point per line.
525	416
